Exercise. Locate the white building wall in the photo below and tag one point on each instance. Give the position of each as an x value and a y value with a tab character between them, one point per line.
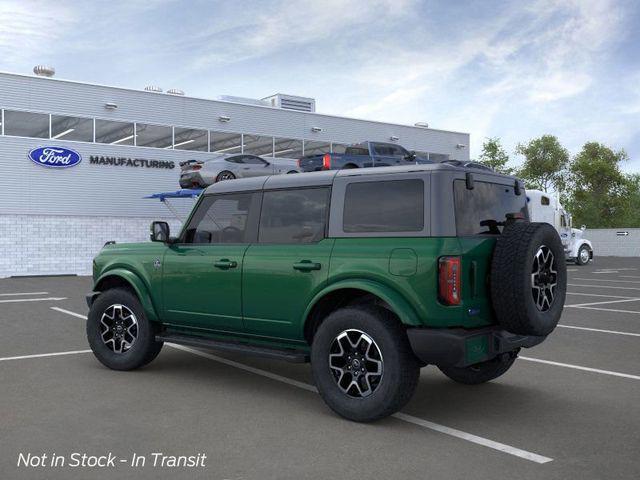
611	242
57	245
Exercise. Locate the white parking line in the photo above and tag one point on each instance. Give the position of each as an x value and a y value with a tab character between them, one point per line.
40	355
62	310
607	280
26	293
604	286
596	295
635	312
579	367
48	299
534	457
600	330
596	303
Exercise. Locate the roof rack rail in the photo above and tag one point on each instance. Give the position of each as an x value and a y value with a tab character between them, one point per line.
476	165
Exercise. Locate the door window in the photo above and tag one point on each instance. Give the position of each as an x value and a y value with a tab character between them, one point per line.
227	218
294	216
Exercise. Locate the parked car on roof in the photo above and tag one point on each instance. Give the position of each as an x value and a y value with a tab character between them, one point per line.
200	174
362	155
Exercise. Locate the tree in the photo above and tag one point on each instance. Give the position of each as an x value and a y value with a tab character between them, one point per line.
494	156
600	194
545	163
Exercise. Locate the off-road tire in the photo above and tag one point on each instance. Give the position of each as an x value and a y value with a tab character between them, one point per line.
480	372
579	256
511	283
145	347
400	367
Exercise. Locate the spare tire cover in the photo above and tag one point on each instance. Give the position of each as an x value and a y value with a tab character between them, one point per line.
528	278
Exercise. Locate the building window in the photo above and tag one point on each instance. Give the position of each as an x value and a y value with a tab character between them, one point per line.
438	157
222	142
71	128
114	133
156	136
26	124
339	148
389	206
294	216
545	200
258	145
287	148
316	148
190	139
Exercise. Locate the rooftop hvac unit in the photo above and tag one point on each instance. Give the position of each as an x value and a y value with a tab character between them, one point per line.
291	102
44	71
153	88
175	91
244	100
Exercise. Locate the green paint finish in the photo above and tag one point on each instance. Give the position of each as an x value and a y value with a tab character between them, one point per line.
263	293
403	262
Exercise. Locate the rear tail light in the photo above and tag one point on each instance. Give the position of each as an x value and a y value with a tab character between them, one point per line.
196	167
326	161
449	280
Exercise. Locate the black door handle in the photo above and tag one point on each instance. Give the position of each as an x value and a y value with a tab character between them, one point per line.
306	266
225	264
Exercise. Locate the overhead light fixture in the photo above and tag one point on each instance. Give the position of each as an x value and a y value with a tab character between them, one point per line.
227	149
461	145
110	106
224	118
421	124
182	143
122	140
62	134
316	129
393	138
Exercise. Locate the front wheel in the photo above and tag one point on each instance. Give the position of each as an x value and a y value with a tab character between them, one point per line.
583	255
119	333
481	372
362	363
225	175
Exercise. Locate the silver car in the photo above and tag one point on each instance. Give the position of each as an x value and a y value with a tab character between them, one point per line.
200	174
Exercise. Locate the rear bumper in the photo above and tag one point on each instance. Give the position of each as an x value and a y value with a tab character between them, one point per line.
189	180
459	347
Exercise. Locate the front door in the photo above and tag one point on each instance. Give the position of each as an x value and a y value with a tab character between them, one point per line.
202	272
289	264
253	166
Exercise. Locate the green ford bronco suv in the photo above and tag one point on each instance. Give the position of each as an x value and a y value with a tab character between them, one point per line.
370	274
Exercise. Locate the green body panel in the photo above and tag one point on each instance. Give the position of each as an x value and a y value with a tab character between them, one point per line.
275	295
134	263
199	294
264	299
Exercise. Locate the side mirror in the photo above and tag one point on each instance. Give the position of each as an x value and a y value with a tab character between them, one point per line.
411	155
159	232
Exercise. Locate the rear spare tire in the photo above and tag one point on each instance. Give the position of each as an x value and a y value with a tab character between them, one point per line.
528	278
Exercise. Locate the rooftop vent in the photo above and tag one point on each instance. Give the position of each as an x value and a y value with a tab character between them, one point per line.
44	71
175	91
291	102
422	124
153	88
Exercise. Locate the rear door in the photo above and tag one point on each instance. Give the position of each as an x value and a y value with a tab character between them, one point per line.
290	262
202	273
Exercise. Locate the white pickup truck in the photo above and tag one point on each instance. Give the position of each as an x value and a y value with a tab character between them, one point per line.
543	207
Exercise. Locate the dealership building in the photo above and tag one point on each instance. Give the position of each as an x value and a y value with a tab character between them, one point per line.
120	145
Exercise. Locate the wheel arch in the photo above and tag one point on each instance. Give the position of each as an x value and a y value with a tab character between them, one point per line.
125	278
347	292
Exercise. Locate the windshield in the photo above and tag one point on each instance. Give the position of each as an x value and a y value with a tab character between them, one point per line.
483	210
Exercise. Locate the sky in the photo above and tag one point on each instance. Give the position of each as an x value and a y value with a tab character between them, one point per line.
514	70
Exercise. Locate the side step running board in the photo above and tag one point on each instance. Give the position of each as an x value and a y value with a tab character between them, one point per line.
288	355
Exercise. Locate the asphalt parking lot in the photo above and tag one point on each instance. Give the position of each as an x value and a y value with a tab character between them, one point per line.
569	408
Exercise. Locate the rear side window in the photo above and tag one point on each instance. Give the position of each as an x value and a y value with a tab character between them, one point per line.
357	151
294	216
387	206
479	211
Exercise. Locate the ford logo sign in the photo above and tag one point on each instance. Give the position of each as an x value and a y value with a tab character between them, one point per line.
55	157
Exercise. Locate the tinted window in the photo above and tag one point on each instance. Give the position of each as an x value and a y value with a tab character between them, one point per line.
72	128
238	159
224	219
156	136
252	160
115	133
222	142
26	124
356	151
190	139
258	145
294	216
390	206
287	148
316	148
544	200
478	210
